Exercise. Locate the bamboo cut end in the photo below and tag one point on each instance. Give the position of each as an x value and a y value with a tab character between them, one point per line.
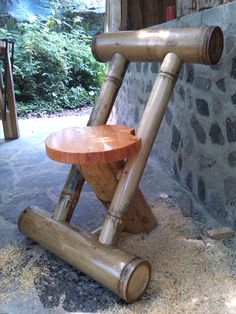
21	218
213	45
134	280
93	49
93	144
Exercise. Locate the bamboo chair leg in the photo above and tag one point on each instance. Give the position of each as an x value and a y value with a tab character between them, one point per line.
69	196
100	114
135	165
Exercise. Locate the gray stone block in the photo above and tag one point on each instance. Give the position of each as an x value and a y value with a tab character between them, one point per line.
180	90
155	67
201	189
189	70
216	206
216	135
229	42
168	116
189	180
231	129
233	69
202	107
205	161
176	137
203	82
230	190
180	161
232	159
233	98
221	84
198	129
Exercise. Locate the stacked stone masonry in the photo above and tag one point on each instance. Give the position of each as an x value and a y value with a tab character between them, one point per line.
197	138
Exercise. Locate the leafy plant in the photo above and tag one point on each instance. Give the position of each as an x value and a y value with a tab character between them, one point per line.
54	68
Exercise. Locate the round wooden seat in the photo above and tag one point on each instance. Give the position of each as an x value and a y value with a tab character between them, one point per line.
92	144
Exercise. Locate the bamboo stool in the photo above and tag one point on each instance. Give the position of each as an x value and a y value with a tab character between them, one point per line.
112	159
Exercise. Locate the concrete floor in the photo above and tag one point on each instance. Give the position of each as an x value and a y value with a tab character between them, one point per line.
32	280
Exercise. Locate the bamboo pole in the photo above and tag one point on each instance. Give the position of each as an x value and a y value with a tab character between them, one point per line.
193	44
11	115
122	272
109	90
69	195
134	167
7	94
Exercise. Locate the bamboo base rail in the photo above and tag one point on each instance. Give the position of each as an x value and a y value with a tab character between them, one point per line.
116	182
7	96
122	272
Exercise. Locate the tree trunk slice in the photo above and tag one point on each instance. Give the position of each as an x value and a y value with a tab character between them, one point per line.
103	179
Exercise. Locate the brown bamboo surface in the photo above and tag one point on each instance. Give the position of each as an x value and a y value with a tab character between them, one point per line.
69	196
192	44
122	272
135	165
1	101
9	115
93	144
109	90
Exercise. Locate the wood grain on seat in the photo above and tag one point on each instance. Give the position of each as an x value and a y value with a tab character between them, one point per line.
92	144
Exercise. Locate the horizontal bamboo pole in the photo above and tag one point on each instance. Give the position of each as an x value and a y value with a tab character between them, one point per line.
122	272
135	165
193	44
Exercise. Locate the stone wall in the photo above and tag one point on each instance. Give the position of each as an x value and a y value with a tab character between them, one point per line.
197	139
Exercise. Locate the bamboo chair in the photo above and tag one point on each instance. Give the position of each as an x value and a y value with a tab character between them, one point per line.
8	113
112	158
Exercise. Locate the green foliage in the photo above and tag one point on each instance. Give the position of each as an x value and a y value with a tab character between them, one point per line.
53	66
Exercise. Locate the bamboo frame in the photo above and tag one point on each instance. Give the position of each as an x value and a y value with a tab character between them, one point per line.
122	272
194	45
